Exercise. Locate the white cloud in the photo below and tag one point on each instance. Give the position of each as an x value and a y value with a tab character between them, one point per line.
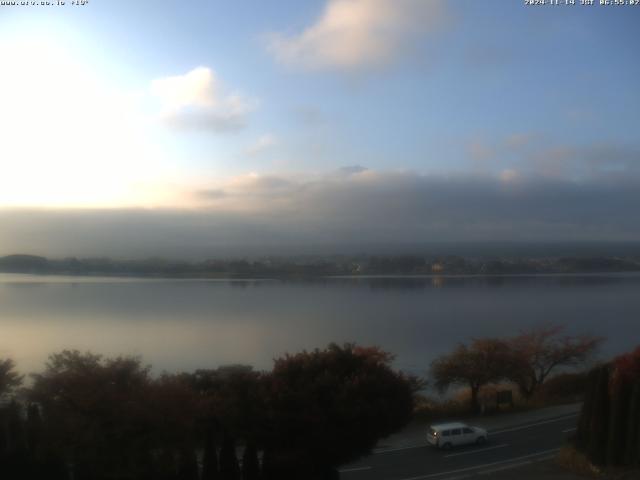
255	213
354	34
264	143
197	101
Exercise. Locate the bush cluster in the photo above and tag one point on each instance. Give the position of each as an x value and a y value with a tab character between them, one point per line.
92	418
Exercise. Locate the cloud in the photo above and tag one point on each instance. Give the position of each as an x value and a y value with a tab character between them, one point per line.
355	34
264	143
352	169
248	192
599	162
256	214
590	195
197	101
532	156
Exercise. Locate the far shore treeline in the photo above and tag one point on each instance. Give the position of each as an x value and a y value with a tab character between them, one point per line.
317	266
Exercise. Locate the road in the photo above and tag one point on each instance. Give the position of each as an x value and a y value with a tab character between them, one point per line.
506	448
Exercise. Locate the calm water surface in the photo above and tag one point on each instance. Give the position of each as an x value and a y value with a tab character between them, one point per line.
182	325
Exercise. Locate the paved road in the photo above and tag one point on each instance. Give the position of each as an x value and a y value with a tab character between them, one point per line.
507	448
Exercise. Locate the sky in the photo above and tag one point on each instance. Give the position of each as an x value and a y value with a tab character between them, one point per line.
186	128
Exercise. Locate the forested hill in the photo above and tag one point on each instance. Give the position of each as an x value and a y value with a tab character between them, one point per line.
317	266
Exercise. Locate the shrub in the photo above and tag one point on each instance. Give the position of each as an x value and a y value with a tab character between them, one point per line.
563	387
576	462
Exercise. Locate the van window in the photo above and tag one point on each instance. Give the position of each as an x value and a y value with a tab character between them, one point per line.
456	431
467	430
446	433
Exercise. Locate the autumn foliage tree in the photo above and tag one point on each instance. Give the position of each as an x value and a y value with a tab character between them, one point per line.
9	378
527	360
96	412
90	417
481	362
328	407
538	352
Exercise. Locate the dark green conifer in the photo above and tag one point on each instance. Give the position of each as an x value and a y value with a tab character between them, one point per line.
632	449
210	467
250	464
599	424
583	431
617	434
187	465
229	467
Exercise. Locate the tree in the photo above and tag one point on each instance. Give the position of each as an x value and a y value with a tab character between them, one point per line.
250	463
13	447
537	352
482	362
9	378
328	407
95	411
233	408
233	401
608	429
628	378
599	421
209	457
229	467
187	465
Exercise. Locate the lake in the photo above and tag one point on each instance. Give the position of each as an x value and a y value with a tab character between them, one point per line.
188	324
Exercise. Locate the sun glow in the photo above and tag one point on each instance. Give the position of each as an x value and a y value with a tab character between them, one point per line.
69	138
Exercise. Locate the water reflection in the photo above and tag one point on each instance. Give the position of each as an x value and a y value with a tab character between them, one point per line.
176	324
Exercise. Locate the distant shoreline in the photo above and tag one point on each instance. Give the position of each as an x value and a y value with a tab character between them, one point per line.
98	277
381	267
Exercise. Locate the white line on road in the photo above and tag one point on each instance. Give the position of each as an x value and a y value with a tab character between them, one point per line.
477	467
513	465
476	451
569	430
408	447
505	467
533	424
354	469
380	451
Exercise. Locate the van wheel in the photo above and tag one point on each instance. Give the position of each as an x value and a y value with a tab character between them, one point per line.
446	446
481	440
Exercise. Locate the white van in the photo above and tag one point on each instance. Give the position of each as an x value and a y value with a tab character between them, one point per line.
447	435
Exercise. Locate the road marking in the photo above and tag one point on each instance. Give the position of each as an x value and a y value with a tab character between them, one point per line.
492	432
569	430
476	451
354	469
477	467
505	467
513	465
567	417
408	447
